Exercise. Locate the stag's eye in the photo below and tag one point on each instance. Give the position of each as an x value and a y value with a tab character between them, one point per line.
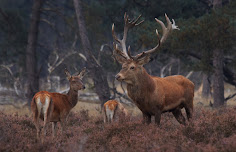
132	67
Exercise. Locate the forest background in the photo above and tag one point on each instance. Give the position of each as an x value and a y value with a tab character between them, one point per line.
39	39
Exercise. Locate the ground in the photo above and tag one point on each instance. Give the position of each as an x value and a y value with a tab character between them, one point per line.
209	130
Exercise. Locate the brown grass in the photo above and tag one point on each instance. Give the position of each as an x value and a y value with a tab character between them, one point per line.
210	130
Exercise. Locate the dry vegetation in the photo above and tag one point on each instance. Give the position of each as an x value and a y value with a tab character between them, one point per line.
210	130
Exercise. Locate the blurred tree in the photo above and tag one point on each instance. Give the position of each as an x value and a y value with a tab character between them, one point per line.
13	39
202	31
206	85
201	38
31	58
218	56
95	69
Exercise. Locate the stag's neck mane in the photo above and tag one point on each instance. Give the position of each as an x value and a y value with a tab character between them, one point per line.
143	82
72	97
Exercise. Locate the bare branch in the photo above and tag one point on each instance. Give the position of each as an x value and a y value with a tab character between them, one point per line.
59	60
7	67
52	26
189	74
230	97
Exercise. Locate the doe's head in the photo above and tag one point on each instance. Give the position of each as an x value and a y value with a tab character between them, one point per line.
76	81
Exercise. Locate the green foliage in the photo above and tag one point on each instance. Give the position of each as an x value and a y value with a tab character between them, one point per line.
174	8
202	35
202	30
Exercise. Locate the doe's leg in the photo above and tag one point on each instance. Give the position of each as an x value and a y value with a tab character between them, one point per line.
54	129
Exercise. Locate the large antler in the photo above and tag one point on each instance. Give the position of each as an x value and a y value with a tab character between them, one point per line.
166	31
128	25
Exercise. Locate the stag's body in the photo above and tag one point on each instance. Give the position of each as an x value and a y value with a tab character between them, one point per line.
111	110
155	95
55	107
152	95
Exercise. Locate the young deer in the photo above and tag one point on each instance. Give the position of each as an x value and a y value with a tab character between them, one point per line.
111	110
55	107
152	95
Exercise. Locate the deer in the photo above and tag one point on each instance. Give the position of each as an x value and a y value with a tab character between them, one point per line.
112	109
151	94
55	107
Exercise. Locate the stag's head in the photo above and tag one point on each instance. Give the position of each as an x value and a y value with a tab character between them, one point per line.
132	66
76	81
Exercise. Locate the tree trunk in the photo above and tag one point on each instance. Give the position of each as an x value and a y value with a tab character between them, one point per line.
218	77
96	71
218	80
217	4
206	87
31	60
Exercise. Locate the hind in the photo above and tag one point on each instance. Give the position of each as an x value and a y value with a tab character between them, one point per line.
42	107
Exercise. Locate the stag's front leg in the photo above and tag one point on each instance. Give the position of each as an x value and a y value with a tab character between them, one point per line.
146	118
158	117
179	116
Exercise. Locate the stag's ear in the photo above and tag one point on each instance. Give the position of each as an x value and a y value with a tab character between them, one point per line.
119	56
143	59
67	74
82	73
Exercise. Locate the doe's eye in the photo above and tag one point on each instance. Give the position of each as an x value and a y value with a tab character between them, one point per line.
132	67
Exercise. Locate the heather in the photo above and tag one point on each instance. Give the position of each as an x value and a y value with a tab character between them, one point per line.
210	130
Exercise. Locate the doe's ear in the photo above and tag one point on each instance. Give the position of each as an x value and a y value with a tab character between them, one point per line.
82	73
67	74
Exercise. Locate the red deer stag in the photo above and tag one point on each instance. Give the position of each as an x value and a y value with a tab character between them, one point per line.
55	107
152	95
111	110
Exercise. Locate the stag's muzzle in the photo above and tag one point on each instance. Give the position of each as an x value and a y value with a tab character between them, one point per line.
118	77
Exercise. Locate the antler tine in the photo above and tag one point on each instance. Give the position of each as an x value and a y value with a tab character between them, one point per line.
158	44
114	34
127	26
117	51
129	53
166	31
150	51
134	21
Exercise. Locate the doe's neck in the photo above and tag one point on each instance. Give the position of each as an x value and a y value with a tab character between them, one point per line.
72	97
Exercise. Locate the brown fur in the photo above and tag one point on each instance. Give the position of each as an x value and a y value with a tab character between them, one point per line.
155	95
115	107
152	95
59	106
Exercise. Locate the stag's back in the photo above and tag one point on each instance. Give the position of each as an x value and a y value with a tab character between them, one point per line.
176	90
184	84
